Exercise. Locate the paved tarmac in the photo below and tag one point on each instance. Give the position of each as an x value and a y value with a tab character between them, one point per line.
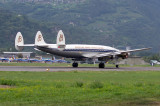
41	69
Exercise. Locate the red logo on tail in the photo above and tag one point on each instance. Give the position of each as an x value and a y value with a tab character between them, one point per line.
39	38
19	39
61	38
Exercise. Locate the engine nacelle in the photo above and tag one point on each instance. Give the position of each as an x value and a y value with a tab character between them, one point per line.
125	55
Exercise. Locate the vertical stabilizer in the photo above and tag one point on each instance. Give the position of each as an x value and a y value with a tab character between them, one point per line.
19	42
39	39
61	40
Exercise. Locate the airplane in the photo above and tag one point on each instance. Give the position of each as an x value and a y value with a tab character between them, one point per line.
77	52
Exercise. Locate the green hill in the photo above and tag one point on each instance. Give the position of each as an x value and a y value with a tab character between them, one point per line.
11	23
109	22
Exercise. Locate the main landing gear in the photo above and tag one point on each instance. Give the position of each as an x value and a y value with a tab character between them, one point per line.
75	65
101	65
117	66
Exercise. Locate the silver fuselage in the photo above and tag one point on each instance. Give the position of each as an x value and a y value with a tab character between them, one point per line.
77	51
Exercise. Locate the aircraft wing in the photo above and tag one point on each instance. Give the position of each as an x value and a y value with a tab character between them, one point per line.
102	55
121	52
134	50
107	54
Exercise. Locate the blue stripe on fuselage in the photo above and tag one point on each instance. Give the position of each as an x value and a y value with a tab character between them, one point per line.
90	50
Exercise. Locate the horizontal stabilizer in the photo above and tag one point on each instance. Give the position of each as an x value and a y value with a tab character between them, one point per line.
17	52
26	45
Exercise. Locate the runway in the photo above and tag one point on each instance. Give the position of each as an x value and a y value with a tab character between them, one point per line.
54	69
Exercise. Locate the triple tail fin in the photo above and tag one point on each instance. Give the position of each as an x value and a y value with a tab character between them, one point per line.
61	40
19	42
39	39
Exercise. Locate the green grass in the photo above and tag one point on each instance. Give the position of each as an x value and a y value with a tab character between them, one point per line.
68	65
80	88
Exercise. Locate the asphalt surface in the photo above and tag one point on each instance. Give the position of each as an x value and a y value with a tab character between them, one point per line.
41	69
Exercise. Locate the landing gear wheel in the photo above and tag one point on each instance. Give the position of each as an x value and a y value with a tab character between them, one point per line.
117	66
101	65
75	65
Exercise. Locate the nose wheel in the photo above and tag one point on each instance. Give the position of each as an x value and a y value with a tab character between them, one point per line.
75	65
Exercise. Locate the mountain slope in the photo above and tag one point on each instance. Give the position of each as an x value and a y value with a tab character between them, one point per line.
110	22
12	23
